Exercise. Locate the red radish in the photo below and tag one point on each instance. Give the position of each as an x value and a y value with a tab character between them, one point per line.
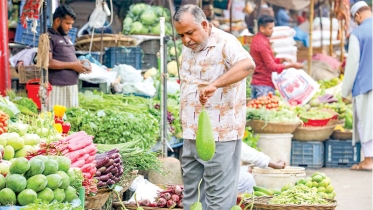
178	190
180	203
73	146
171	204
161	202
175	198
145	202
153	205
167	196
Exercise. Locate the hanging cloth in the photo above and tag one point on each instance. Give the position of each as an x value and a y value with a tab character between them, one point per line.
30	11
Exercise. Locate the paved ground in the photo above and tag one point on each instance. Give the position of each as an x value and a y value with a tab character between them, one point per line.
353	188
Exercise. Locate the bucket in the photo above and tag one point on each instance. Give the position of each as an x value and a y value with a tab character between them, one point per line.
277	178
276	146
32	88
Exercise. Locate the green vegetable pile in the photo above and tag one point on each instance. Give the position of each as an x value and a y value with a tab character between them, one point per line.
275	116
38	205
114	119
144	19
27	103
315	115
299	194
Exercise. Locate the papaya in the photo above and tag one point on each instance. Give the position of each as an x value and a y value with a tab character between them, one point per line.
205	142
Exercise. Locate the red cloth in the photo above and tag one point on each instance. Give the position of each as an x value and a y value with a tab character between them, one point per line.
266	63
30	11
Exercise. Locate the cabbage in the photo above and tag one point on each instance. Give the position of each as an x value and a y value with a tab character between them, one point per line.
137	28
138	9
168	29
144	30
156	29
148	17
127	22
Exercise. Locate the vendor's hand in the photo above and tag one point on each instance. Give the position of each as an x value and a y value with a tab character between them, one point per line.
297	65
80	68
249	169
206	93
277	165
346	100
285	60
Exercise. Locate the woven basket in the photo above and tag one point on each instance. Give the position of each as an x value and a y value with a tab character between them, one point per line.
313	133
258	126
97	201
27	73
261	203
148	208
339	135
109	40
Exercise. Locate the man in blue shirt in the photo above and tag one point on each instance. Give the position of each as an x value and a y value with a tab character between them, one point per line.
283	17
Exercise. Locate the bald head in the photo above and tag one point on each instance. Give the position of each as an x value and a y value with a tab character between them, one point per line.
195	11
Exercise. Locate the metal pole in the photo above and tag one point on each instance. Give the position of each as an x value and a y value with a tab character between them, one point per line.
5	81
230	15
163	76
310	49
43	78
331	3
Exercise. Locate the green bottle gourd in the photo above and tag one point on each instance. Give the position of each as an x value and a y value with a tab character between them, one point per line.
205	142
197	205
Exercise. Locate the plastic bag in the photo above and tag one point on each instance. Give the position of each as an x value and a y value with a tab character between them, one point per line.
144	190
98	75
295	86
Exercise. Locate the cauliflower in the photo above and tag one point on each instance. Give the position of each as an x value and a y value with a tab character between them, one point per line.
151	72
172	68
172	51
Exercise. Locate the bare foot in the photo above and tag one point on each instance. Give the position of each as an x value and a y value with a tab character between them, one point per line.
365	165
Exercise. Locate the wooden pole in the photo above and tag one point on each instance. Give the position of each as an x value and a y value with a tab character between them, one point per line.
331	3
310	49
342	40
230	15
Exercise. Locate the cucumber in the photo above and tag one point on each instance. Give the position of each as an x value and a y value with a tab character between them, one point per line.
258	193
205	142
263	190
276	192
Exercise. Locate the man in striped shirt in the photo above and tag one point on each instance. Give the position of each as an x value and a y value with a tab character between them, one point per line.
64	67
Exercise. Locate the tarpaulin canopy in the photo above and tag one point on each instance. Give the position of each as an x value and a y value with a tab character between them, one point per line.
291	4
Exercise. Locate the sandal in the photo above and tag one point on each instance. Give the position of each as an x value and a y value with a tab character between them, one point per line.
359	167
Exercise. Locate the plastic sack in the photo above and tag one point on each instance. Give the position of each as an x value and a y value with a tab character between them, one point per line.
295	86
98	75
282	42
145	87
144	190
290	50
282	32
128	74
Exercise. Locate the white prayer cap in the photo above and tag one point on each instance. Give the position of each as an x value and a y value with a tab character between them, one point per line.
357	6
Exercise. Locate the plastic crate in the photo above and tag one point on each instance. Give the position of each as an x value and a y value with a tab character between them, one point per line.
102	87
123	55
95	55
27	37
307	154
149	61
341	153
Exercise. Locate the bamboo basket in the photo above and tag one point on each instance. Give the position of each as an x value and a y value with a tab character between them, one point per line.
97	201
339	135
108	40
259	126
313	133
261	203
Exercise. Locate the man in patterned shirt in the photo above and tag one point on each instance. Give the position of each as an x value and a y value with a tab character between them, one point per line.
213	74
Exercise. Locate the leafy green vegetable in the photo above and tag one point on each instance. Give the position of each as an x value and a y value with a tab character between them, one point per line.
27	103
276	116
250	138
39	205
9	107
315	115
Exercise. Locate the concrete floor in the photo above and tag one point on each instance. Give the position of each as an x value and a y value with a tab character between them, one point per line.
353	188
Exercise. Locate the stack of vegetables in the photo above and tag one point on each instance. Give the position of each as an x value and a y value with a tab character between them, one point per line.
320	183
45	178
280	116
172	197
144	19
60	125
109	168
79	148
315	118
3	122
172	56
325	84
269	102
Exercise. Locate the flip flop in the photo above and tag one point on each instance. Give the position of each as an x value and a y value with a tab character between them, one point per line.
359	167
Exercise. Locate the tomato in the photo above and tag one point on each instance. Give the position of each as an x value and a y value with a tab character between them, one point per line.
259	105
270	94
250	106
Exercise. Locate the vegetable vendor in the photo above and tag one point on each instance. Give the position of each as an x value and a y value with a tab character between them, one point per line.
208	9
213	74
265	61
249	155
64	66
358	81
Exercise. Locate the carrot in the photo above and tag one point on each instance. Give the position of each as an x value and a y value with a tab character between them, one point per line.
86	168
79	145
74	156
91	149
72	136
78	164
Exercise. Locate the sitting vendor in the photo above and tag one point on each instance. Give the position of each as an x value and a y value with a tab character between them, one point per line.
246	179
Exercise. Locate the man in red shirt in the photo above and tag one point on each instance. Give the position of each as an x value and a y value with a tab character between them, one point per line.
266	63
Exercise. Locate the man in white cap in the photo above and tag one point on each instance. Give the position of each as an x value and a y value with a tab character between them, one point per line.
358	81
